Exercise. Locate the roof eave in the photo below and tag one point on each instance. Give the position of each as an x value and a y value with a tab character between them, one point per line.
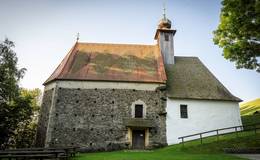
164	30
236	99
80	80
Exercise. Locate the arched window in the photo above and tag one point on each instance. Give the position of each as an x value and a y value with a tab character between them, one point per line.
138	109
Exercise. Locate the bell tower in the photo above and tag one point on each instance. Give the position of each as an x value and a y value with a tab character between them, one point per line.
164	36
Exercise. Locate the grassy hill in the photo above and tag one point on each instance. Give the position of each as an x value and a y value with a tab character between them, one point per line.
247	111
249	108
210	149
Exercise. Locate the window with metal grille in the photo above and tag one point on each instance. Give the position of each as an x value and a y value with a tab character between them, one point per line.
138	111
184	111
166	37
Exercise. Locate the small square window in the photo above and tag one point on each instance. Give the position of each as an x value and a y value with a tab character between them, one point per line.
166	37
184	111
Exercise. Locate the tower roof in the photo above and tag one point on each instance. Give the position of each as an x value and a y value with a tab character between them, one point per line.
164	23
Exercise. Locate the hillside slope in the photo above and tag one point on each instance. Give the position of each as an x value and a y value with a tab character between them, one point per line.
193	150
249	108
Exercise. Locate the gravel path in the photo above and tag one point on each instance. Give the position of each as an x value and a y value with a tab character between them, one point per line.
249	156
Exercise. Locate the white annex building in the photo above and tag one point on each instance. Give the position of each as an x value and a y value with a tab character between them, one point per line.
196	99
115	96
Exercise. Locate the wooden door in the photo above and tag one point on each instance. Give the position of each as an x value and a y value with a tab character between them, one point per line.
138	139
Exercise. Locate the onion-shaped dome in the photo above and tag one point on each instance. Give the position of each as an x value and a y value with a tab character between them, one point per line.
164	23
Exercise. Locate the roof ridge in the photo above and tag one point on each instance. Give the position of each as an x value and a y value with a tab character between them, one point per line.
129	44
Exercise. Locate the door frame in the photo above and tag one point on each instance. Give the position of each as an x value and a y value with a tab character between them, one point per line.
130	136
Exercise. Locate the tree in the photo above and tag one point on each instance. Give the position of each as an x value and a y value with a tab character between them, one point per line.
35	94
11	115
9	72
25	133
239	32
14	108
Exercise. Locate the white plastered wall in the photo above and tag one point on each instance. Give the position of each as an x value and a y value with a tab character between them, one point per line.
103	85
203	115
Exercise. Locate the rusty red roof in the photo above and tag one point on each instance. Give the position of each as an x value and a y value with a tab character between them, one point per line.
111	62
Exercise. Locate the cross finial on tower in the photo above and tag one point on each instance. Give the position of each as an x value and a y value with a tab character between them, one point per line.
164	14
77	37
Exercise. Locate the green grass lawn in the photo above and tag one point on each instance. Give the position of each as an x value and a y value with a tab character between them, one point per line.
250	119
210	149
156	155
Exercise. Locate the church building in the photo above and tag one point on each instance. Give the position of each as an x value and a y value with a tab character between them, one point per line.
127	96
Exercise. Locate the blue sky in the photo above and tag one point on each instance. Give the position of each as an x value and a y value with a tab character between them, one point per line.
44	31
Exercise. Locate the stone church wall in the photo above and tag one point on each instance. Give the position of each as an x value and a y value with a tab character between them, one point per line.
93	118
44	118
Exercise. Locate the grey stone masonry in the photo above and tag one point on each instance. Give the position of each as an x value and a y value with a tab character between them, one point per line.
44	118
93	118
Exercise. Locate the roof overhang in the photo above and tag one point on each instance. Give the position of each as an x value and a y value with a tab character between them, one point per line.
163	30
236	99
93	80
138	122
